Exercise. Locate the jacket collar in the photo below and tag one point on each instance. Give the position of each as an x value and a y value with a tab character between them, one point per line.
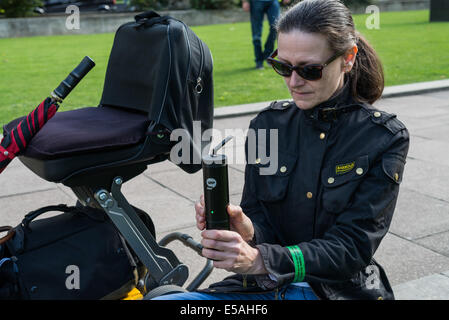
329	110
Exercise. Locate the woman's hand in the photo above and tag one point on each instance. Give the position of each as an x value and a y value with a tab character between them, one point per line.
245	6
230	252
238	221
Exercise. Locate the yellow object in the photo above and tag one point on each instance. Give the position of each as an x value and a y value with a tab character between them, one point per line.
134	294
344	168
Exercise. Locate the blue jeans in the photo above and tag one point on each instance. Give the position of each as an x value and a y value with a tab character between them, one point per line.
288	292
258	10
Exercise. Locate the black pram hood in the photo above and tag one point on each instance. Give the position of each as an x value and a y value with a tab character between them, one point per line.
159	66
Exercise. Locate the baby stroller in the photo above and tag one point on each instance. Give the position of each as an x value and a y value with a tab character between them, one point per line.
159	79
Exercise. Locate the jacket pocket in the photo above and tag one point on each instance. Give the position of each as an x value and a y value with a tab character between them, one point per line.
340	179
393	167
270	180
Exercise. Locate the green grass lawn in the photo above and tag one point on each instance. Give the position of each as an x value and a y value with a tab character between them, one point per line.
411	48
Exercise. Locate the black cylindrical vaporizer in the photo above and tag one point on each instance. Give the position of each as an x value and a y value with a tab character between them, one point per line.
216	189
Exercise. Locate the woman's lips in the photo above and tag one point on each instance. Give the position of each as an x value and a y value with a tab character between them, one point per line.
301	94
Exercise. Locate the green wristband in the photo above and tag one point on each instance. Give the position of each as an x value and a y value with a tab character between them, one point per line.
298	260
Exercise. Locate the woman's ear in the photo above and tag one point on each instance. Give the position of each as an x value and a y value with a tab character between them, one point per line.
349	58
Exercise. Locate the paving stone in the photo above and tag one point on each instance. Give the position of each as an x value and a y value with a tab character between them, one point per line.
415	106
416	88
14	208
438	242
427	177
439	95
235	199
420	170
229	124
18	179
433	151
191	185
413	124
436	132
418	215
161	167
167	209
433	287
404	260
67	191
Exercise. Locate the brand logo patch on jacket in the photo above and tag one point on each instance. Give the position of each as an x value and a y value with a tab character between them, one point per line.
344	168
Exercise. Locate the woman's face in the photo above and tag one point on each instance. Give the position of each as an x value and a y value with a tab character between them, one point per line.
299	48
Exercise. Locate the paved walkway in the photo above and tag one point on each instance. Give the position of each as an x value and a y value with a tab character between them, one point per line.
415	252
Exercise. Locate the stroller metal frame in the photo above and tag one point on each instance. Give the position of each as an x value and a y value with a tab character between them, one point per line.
165	267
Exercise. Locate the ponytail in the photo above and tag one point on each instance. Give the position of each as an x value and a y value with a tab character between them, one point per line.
367	77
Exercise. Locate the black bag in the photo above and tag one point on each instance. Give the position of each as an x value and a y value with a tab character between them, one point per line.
160	67
74	255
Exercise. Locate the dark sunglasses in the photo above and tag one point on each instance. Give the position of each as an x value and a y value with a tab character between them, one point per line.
310	72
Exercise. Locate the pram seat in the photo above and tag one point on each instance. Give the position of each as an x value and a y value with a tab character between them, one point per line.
85	146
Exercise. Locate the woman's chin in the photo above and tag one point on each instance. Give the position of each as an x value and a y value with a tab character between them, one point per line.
304	104
303	101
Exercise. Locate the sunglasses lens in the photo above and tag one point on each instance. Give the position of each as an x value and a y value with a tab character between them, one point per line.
280	68
311	72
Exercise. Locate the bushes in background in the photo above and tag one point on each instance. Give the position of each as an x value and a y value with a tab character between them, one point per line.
18	8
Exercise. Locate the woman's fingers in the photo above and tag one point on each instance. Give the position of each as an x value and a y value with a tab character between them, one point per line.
221	235
228	250
199	209
235	212
217	255
200	216
220	245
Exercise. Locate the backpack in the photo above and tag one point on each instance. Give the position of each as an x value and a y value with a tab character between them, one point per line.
76	255
159	66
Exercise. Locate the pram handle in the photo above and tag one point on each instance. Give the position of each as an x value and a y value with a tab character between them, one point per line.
197	247
67	85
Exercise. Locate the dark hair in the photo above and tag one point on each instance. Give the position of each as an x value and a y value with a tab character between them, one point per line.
333	19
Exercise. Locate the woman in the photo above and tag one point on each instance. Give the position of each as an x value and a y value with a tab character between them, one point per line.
311	229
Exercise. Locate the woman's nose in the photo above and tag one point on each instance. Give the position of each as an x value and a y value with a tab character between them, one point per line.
296	80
